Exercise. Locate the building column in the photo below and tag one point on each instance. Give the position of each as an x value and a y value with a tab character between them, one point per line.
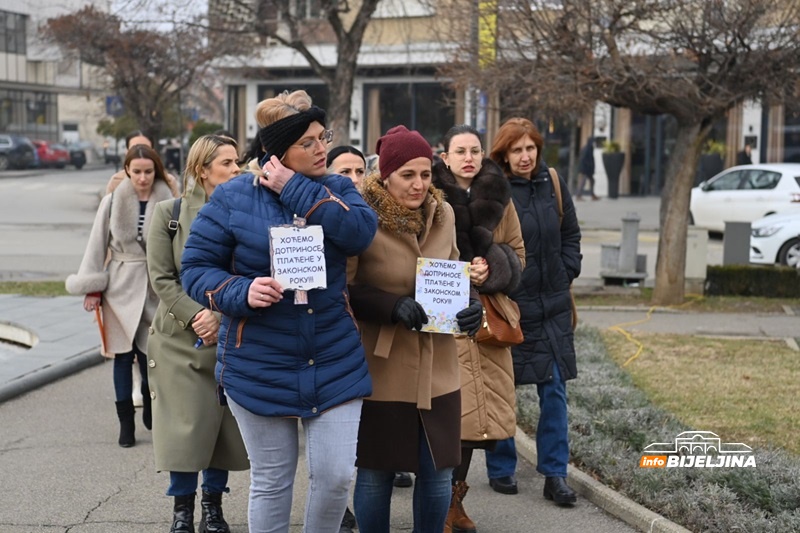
775	134
733	135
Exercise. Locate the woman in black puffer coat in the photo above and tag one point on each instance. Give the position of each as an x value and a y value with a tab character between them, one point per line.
552	260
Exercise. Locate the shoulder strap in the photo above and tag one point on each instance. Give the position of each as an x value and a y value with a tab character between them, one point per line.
557	190
172	225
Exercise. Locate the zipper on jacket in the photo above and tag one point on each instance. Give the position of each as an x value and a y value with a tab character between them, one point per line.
210	294
331	198
239	331
350	309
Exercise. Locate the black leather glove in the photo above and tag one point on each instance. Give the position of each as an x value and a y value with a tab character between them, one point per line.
469	319
410	313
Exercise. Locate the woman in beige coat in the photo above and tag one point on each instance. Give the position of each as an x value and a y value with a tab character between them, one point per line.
114	272
192	432
490	239
411	423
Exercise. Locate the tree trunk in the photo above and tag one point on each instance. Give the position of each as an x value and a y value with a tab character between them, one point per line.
674	215
340	101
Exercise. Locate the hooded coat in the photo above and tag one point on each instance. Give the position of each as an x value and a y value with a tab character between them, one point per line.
129	302
552	261
486	226
415	374
191	430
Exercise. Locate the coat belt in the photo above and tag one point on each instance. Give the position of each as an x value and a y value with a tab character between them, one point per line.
123	257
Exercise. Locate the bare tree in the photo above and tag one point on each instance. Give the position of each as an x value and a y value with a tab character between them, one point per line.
300	26
692	59
147	68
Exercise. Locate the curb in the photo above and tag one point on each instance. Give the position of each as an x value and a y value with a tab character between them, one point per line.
607	499
49	374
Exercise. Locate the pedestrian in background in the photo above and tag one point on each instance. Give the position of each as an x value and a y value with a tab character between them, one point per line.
586	169
412	421
280	360
134	138
489	238
192	432
114	272
744	157
546	356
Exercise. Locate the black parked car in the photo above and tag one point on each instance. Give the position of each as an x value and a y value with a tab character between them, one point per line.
77	157
16	151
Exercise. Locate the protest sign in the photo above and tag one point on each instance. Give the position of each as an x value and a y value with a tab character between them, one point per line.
298	257
442	290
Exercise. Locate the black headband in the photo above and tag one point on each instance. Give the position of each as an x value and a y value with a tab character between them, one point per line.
276	138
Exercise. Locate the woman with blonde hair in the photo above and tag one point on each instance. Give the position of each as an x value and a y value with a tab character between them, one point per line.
192	432
282	357
113	273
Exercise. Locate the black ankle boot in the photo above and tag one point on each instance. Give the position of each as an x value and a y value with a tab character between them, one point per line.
556	489
147	413
127	427
212	520
183	514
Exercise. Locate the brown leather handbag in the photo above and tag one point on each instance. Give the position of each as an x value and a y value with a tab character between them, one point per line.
500	325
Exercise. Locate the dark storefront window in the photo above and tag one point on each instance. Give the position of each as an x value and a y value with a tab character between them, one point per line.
425	107
791	138
30	113
319	94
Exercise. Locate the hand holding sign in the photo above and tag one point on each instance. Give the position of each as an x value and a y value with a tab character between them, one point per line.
263	292
442	290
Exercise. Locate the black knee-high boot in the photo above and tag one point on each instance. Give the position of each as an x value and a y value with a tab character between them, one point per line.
183	514
127	427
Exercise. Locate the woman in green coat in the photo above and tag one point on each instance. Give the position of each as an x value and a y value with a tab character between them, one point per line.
192	432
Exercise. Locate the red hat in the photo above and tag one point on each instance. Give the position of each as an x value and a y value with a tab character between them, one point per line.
398	147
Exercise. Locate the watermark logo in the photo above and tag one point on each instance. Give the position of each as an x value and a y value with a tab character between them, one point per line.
697	449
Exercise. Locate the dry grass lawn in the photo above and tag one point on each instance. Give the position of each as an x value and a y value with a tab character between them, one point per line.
745	391
694	303
33	288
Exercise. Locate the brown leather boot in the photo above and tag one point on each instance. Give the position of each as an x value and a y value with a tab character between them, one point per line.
460	523
451	512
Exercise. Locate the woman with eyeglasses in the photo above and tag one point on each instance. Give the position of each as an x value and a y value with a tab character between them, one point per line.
490	239
281	355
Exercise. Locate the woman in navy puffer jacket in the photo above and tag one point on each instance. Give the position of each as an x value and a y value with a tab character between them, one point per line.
277	360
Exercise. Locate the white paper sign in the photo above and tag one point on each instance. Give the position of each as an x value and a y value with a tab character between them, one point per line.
442	290
297	256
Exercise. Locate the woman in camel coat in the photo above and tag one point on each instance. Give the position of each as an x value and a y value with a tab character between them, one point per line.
412	420
114	269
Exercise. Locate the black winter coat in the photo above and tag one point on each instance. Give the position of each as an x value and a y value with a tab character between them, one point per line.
586	159
552	261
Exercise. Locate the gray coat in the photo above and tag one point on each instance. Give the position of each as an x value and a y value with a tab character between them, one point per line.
114	263
191	430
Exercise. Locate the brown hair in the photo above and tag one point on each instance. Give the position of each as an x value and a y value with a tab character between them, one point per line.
510	132
142	151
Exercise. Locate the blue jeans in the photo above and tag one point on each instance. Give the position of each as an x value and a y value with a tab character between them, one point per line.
123	373
502	461
215	481
432	493
552	443
273	449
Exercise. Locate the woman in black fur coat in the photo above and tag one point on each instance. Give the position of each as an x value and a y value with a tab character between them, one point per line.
489	237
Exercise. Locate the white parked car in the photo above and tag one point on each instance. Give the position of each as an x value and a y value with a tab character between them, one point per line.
744	194
776	239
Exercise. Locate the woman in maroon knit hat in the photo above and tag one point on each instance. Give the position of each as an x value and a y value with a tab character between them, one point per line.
412	421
